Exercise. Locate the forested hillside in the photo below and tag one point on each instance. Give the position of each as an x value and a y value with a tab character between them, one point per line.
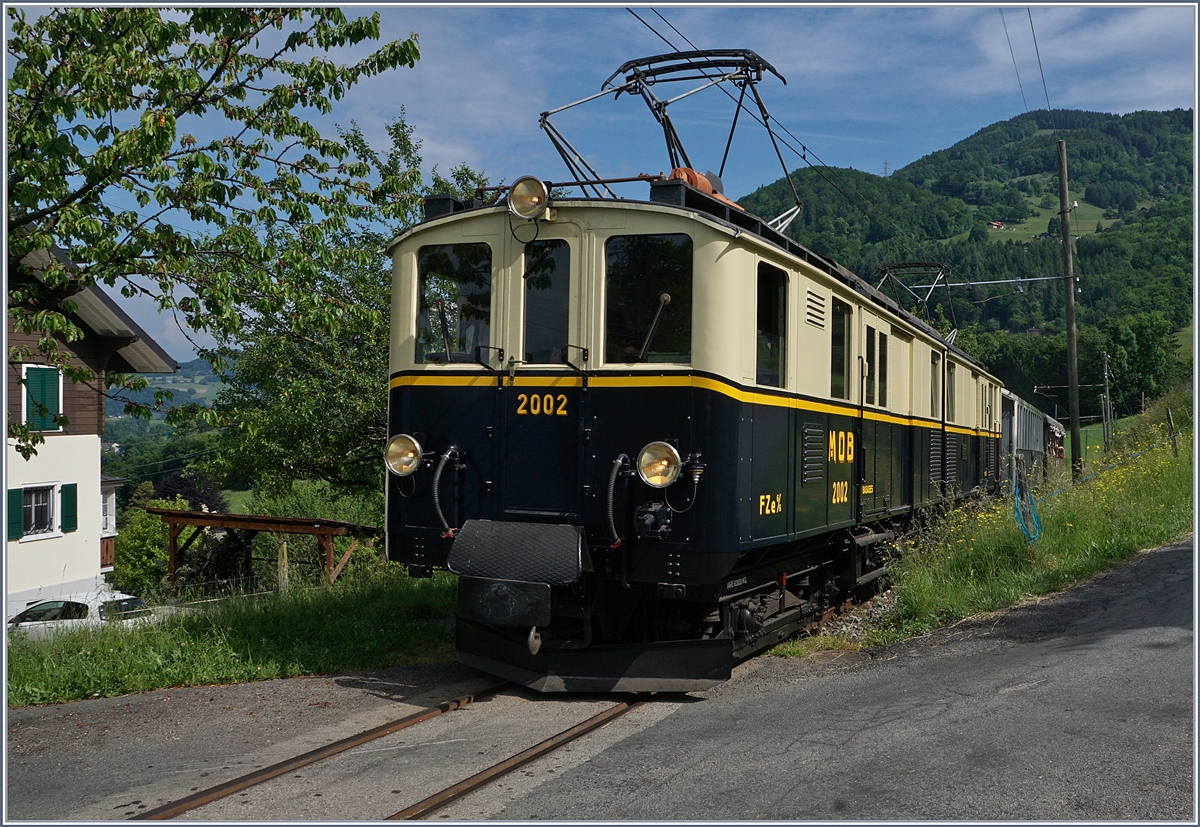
846	210
1116	160
1132	176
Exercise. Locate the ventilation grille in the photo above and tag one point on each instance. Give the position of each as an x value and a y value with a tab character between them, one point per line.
935	456
813	467
815	310
952	459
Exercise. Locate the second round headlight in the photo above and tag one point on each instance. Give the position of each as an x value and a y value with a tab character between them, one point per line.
402	455
658	464
528	197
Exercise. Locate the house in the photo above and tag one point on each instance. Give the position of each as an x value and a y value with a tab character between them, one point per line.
61	511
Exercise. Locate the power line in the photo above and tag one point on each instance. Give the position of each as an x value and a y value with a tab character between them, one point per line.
172	459
1039	60
1014	59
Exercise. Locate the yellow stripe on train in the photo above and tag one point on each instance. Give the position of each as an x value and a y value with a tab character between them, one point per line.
704	382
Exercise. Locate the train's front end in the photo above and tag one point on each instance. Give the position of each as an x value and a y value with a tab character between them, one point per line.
541	415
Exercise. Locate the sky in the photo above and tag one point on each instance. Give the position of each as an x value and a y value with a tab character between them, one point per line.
868	87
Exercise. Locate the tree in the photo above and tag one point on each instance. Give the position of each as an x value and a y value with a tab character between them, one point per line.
195	487
140	565
171	153
308	403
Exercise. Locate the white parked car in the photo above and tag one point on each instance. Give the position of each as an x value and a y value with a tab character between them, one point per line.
44	618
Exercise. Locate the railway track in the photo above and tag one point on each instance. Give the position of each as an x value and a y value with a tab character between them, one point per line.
481	779
191	802
422	808
443	798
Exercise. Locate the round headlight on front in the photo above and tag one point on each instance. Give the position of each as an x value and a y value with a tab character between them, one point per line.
402	455
658	464
528	197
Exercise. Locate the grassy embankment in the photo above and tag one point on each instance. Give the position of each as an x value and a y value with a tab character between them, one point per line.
975	559
379	620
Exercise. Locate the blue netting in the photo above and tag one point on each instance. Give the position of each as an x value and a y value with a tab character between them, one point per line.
1025	511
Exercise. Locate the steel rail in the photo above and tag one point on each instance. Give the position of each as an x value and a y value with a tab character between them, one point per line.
437	801
199	799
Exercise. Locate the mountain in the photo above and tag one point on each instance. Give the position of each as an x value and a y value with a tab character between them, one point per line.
1006	172
1117	159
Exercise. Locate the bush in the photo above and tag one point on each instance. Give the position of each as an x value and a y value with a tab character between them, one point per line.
141	562
310	498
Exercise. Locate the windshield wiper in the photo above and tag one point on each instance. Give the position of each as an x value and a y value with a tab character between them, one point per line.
441	308
663	301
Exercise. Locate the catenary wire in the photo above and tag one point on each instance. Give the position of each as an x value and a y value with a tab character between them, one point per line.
1040	70
1014	60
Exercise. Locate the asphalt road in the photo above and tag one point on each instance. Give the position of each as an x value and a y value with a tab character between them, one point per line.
1075	707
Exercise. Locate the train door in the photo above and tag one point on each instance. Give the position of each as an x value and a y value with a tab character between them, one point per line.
875	461
543	397
844	431
937	433
772	425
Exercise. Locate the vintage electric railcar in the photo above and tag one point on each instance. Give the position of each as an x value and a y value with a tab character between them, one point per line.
653	437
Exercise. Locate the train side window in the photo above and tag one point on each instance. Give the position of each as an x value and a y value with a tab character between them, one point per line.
935	385
950	413
454	295
839	366
869	393
883	360
547	295
771	344
648	298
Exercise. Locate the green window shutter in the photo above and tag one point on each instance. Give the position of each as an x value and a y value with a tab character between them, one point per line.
16	513
70	507
41	388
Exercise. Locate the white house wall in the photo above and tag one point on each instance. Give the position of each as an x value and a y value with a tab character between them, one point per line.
48	566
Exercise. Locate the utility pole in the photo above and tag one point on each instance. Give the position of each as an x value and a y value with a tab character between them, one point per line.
1064	213
1108	435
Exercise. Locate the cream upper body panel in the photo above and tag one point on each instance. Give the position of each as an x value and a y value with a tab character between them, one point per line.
724	291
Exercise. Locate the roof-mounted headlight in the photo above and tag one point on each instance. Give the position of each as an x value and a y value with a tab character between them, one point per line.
658	464
528	197
402	455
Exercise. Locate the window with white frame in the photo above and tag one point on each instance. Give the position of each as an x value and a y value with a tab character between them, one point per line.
38	510
108	512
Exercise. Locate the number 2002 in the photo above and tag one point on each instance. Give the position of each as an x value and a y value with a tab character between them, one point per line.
547	404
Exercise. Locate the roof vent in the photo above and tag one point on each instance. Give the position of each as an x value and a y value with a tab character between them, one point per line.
440	204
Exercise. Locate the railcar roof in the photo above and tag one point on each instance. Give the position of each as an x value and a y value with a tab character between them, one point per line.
679	196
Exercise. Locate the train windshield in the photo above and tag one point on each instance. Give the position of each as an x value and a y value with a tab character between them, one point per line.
455	291
648	298
547	307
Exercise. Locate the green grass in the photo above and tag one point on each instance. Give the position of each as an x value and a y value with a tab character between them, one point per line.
1183	340
1083	220
239	501
975	559
381	620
